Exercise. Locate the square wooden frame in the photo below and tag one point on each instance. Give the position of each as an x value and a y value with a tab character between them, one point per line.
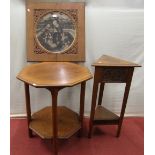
77	51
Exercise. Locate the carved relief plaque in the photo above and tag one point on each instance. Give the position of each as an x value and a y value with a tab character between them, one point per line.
55	32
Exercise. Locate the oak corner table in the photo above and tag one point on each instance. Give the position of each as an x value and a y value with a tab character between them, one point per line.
54	122
109	69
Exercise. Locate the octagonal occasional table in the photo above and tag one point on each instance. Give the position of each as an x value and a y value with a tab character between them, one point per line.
54	122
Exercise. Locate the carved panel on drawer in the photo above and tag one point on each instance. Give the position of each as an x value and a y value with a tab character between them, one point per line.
113	74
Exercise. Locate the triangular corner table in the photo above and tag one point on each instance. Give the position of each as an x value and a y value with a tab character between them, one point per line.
109	69
54	122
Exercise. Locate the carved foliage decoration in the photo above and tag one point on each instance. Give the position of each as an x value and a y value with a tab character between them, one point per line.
113	74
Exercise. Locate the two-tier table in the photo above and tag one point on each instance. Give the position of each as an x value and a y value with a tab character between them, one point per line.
109	70
55	121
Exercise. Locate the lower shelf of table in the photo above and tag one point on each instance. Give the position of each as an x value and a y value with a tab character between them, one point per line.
105	116
68	123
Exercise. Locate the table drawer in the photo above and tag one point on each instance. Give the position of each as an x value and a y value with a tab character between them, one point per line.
112	74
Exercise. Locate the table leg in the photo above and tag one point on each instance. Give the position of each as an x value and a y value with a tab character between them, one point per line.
28	108
54	93
125	98
93	105
101	93
82	99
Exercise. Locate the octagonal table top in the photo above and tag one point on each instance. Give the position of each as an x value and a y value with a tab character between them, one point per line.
56	74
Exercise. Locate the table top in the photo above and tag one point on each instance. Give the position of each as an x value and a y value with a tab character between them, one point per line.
56	74
109	61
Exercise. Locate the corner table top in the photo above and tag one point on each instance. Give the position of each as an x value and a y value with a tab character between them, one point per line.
110	61
56	74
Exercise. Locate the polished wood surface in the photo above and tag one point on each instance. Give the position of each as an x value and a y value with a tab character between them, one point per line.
67	124
49	74
109	70
110	61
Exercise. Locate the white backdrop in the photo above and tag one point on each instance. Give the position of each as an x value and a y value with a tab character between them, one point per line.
113	28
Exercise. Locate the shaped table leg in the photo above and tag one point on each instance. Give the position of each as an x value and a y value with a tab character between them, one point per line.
54	93
125	98
28	107
93	105
82	98
101	93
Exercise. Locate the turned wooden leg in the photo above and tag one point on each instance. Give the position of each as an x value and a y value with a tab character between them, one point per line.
101	93
82	99
125	98
54	94
93	105
28	108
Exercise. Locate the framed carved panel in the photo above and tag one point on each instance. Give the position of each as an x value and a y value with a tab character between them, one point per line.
55	31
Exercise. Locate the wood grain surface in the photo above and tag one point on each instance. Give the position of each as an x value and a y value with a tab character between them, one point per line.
49	74
106	60
68	123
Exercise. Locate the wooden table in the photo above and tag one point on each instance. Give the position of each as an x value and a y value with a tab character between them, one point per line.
54	121
109	70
